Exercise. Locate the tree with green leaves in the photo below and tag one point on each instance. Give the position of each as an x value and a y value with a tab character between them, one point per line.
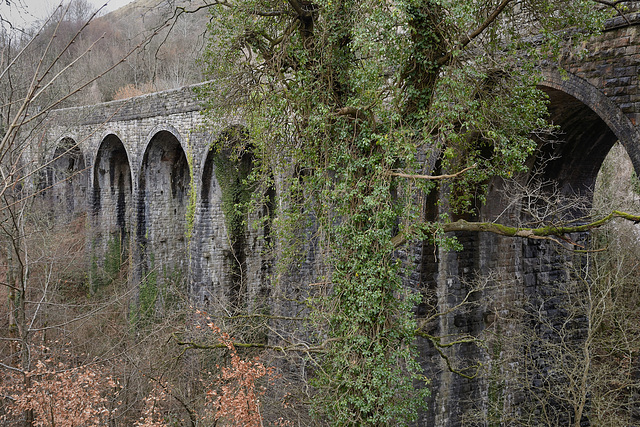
355	110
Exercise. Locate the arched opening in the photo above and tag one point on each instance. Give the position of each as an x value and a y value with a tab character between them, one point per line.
221	274
559	313
531	299
162	209
66	182
111	208
584	140
590	124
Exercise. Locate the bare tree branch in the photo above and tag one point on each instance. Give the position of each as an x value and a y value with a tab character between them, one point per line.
550	232
433	177
468	38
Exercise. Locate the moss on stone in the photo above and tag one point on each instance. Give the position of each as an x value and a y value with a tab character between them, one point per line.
231	173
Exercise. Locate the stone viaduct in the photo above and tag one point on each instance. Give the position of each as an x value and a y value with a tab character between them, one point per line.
143	171
127	164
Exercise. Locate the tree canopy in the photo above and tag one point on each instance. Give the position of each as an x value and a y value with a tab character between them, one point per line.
347	106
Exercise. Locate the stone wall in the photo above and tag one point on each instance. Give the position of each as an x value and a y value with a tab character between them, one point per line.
594	98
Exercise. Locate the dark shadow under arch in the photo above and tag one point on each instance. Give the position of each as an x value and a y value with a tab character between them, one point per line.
111	209
590	124
163	198
222	232
112	187
66	181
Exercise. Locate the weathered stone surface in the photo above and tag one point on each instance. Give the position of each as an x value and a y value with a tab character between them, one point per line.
143	163
593	97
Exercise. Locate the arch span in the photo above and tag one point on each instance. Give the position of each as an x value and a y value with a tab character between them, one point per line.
66	181
163	198
590	123
112	204
220	276
112	185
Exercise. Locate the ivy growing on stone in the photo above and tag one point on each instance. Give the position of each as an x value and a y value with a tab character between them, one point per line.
232	162
347	105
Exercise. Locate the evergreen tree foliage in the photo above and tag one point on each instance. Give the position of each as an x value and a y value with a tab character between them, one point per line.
345	103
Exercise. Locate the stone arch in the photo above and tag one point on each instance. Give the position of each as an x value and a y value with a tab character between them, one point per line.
166	129
219	275
590	124
112	186
534	272
66	181
163	200
111	204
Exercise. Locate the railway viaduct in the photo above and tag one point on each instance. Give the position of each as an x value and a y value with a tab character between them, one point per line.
143	171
